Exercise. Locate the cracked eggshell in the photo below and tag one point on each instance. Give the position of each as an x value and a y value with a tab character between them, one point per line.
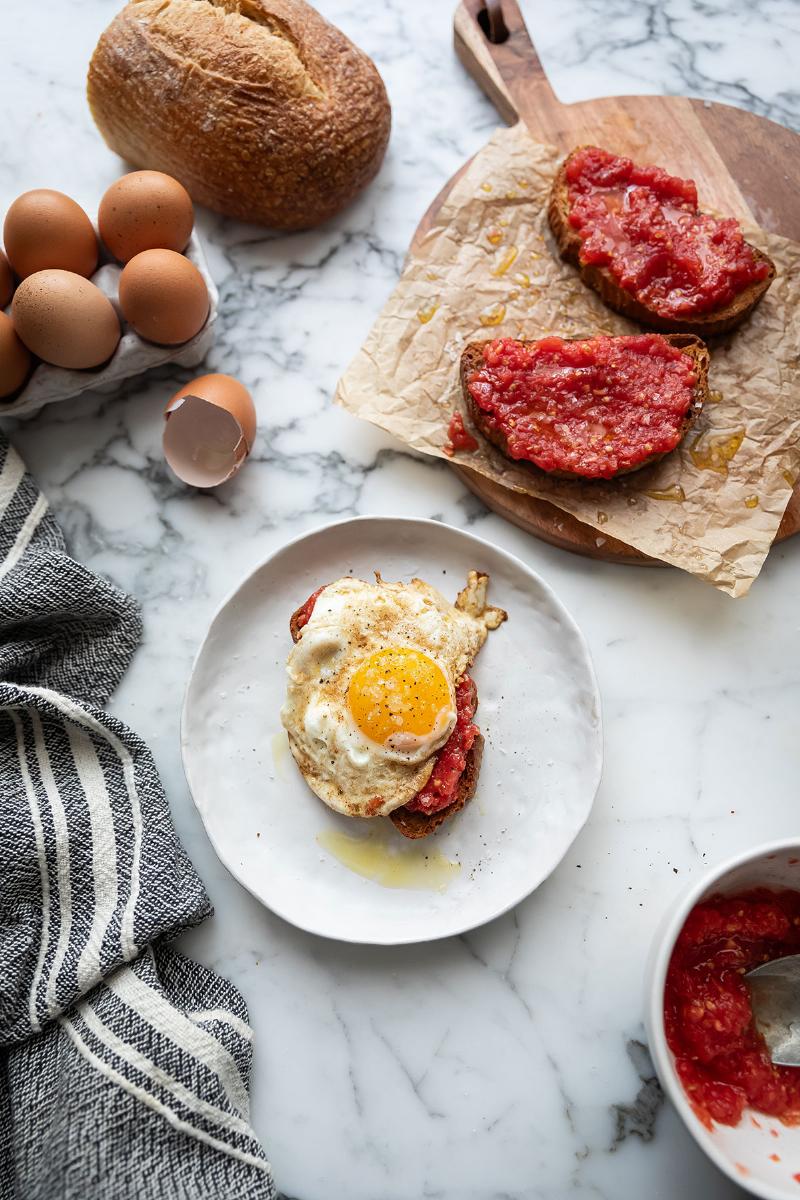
210	427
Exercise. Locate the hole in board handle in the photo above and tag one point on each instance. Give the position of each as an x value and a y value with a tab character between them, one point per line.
492	22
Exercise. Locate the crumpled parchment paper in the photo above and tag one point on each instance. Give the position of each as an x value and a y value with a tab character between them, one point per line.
489	268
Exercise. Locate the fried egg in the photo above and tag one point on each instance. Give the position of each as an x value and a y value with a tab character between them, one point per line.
370	697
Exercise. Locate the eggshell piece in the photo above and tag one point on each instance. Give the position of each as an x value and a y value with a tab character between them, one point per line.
145	210
65	319
45	230
203	443
6	281
163	297
15	360
226	392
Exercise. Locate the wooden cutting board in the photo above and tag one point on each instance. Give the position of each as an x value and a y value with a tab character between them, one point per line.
744	165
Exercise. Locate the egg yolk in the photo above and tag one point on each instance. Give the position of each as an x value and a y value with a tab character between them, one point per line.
399	691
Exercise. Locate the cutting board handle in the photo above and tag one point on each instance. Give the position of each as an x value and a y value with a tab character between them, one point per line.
492	41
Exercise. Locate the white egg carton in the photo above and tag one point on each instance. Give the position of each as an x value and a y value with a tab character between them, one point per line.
133	355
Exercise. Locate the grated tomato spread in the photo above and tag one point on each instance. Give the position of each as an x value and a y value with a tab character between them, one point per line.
643	226
592	408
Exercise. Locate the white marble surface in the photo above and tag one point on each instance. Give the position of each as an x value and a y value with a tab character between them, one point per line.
507	1063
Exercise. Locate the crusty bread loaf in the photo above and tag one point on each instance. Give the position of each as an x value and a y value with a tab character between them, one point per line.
262	109
687	343
603	282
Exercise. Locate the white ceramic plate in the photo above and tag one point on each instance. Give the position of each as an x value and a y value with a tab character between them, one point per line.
539	710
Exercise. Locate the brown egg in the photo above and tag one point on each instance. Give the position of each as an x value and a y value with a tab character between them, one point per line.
6	281
65	319
210	429
163	297
145	210
45	229
15	361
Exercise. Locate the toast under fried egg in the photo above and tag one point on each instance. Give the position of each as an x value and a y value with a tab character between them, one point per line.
379	704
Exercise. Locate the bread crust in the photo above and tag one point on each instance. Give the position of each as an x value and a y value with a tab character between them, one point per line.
687	343
601	280
261	108
417	824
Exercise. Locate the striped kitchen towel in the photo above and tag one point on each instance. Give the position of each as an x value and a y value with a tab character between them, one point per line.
123	1065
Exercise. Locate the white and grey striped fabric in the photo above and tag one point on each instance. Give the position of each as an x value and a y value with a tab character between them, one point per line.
123	1066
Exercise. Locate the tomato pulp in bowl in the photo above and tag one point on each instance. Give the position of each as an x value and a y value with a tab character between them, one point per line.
735	1101
721	1059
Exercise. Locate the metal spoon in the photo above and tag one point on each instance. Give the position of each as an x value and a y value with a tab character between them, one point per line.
775	995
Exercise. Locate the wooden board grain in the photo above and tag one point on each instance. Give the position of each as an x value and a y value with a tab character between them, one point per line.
744	165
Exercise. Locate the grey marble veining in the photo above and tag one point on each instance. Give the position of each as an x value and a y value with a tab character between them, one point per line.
506	1064
724	50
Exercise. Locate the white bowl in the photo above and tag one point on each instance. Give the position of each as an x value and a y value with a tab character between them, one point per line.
743	1151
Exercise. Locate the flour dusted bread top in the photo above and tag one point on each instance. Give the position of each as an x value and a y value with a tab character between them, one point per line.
261	108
